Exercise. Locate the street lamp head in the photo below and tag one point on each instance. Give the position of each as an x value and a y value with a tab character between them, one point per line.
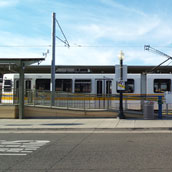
121	55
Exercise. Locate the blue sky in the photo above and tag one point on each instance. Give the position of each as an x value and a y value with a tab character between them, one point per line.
96	29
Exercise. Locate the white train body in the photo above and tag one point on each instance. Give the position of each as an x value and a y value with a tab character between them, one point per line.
93	77
92	84
162	82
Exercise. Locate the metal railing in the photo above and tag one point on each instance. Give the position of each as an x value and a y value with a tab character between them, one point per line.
83	101
0	95
167	110
71	100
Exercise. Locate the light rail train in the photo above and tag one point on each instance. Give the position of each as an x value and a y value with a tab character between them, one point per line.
99	85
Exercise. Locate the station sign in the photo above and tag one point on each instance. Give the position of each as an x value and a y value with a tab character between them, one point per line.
121	85
118	73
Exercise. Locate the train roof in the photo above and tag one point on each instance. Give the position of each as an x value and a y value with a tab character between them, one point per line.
4	68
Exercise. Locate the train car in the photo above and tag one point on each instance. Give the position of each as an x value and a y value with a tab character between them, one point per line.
157	84
94	86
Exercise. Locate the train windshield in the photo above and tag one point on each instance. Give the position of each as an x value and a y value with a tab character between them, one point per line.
7	86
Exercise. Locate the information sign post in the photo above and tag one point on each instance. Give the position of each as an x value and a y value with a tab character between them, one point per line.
121	77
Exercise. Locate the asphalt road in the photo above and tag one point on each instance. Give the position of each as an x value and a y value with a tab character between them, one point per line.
82	152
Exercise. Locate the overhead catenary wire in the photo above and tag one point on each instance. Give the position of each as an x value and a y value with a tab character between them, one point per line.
79	46
169	63
24	46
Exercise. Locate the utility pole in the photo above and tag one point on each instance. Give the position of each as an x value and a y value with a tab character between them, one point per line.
53	60
53	64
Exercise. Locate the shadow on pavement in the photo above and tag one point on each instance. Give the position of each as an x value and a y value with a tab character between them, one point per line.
63	124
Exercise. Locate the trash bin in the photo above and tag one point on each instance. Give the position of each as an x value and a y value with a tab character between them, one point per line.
148	110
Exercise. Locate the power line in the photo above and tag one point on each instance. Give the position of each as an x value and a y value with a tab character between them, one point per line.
24	46
80	46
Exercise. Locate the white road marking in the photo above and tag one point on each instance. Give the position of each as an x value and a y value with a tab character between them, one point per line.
9	154
26	151
18	147
13	146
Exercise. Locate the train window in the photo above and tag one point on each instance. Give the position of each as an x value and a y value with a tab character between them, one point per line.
7	86
82	86
64	85
162	85
43	84
129	86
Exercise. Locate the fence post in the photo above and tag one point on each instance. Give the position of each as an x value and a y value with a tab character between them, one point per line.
34	96
166	110
67	98
126	107
84	102
0	95
160	107
89	101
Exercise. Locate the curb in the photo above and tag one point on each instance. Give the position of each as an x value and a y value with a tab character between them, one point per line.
88	129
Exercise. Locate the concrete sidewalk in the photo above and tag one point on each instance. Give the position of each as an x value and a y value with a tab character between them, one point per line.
84	124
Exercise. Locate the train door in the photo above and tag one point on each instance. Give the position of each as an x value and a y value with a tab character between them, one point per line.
104	92
99	87
108	87
104	87
16	90
28	91
28	84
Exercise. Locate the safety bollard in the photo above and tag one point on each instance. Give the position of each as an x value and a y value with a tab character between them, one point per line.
160	107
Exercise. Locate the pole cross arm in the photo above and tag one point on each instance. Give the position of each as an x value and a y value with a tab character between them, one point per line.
155	51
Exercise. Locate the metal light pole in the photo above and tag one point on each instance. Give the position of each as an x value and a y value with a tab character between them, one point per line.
53	59
121	113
